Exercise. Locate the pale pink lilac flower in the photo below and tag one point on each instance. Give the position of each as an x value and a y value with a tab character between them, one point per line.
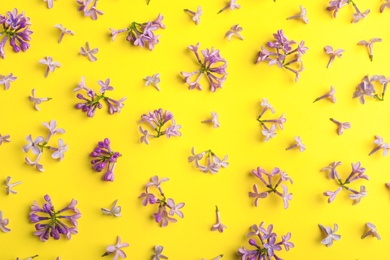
6	80
114	211
175	208
380	145
330	235
214	163
153	80
336	5
117	249
60	150
330	95
366	88
145	135
371	231
35	163
384	6
213	120
269	133
332	194
157	253
52	127
63	31
369	44
359	15
35	100
215	258
302	15
50	3
88	7
218	226
87	52
298	143
356	196
195	15
51	65
266	105
3	223
341	126
9	185
232	5
333	53
4	138
156	182
235	30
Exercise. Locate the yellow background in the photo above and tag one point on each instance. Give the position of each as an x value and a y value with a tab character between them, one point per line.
238	105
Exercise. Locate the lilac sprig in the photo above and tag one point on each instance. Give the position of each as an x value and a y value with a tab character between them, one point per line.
142	34
52	223
283	54
166	206
41	144
16	29
104	158
88	7
92	100
267	243
367	88
159	121
356	174
214	163
270	132
212	65
271	181
336	5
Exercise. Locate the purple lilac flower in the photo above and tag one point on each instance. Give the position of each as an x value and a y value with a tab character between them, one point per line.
9	186
87	52
341	126
51	65
218	226
232	5
117	249
329	95
4	138
267	246
35	100
63	31
284	54
357	196
142	34
369	44
366	88
195	15
92	101
153	80
103	157
16	28
6	80
371	231
3	223
213	120
380	144
298	144
159	121
302	15
384	6
235	30
88	7
269	133
213	67
271	181
157	253
164	204
330	235
214	163
333	53
114	211
52	223
336	5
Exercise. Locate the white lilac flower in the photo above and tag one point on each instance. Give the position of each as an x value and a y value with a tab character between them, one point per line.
51	65
114	211
232	5
60	150
380	144
214	163
298	143
9	185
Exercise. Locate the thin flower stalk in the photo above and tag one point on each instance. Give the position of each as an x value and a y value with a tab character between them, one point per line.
6	80
88	8
333	54
104	158
212	162
341	126
63	32
218	226
380	144
301	16
385	5
9	186
232	5
37	101
369	44
195	15
367	88
330	95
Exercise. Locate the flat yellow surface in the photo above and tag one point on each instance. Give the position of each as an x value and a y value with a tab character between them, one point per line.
238	105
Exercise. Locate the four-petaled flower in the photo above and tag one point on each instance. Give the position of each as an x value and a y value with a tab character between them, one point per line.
369	44
157	253
117	249
87	52
302	15
51	65
333	53
341	126
88	7
153	80
195	15
235	30
214	163
6	80
380	145
3	223
330	235
35	100
218	226
371	231
63	32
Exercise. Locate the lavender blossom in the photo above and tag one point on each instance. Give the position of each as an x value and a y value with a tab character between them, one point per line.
235	30
232	5
218	226
336	5
36	101
333	53
104	158
380	144
214	163
330	235
157	253
117	249
341	126
52	223
63	31
369	44
16	28
88	7
371	231
87	52
51	65
195	15
9	186
298	144
329	95
213	120
302	15
3	223
5	139
6	80
153	80
213	67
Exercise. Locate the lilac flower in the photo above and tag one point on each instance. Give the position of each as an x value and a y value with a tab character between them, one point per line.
341	126
371	231
51	65
213	67
359	15
330	235
298	143
16	28
114	211
329	95
142	34
59	152
50	3
265	105
35	163
157	253
33	145
155	182
9	185
269	133
213	120
153	80
37	101
105	86
336	5
175	209
332	168
356	196
385	5
104	158
257	195
3	223
235	30
52	223
332	195
369	44
6	80
52	126
63	31
380	145
366	88
286	243
87	52
117	249
88	7
195	15
232	5
214	163
218	226
333	53
32	257
302	15
4	138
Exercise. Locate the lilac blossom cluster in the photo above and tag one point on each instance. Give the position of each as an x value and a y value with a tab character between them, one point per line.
88	7
284	54
142	34
92	100
214	163
356	174
158	120
104	157
367	88
266	246
166	207
212	65
336	5
50	223
270	132
40	144
16	28
271	180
